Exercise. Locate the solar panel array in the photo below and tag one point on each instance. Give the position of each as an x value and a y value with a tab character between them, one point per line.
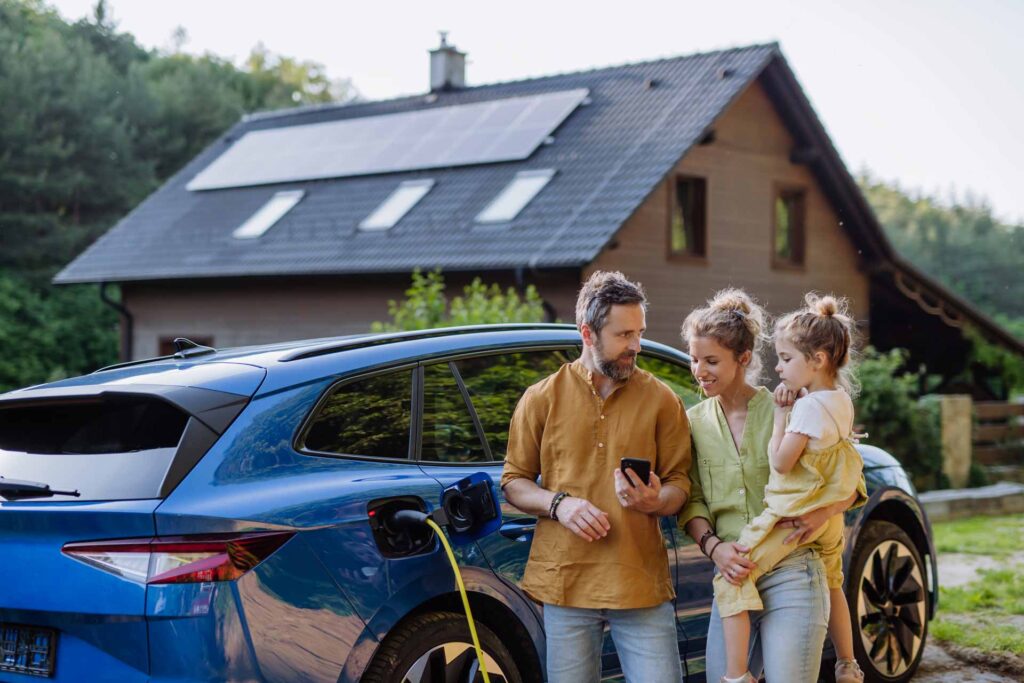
484	132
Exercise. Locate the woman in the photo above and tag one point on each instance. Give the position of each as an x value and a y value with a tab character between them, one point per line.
731	432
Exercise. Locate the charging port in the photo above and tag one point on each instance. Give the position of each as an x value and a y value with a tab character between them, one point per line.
396	540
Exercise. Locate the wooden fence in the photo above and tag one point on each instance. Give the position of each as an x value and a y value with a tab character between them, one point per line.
998	438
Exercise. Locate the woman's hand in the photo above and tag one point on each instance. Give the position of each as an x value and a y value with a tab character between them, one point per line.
730	561
805	525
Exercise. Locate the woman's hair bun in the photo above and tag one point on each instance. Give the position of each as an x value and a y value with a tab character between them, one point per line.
732	300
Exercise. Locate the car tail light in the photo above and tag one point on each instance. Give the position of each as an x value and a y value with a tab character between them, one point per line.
181	559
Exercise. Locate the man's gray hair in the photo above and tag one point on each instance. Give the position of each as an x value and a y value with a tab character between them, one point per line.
600	292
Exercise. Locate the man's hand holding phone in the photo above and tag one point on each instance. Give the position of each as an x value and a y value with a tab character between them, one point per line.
633	492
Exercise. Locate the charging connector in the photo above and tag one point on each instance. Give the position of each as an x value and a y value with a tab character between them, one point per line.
469	509
408	519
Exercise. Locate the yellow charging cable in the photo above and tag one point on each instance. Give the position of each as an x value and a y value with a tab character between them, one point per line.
465	598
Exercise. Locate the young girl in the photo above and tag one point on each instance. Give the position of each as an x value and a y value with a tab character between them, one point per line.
813	464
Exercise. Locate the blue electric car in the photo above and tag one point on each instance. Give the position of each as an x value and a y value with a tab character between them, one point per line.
221	515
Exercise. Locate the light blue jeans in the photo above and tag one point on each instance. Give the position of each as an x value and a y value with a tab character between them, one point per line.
786	637
645	640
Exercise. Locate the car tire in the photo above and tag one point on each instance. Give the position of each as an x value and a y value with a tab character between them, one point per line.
888	598
437	646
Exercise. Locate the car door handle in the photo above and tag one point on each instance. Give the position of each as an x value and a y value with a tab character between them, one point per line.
518	529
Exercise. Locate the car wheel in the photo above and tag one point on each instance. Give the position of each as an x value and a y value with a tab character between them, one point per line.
888	603
437	648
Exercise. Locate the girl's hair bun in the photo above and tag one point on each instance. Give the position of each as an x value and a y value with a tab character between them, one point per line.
827	305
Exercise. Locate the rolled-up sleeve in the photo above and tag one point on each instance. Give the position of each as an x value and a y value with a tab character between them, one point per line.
522	459
673	441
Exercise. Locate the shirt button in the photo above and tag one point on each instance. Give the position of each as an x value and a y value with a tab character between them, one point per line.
602	417
600	445
741	489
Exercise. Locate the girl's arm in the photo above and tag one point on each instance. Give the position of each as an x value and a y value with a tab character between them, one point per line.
784	449
787	451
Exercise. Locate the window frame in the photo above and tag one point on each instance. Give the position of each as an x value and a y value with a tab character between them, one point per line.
483	218
421	185
451	359
415	414
673	206
798	235
245	231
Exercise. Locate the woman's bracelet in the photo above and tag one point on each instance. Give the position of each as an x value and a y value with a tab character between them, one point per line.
711	555
704	539
553	510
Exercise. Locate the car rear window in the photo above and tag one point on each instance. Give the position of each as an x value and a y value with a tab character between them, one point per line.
109	448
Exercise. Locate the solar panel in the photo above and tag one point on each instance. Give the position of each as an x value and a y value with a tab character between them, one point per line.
484	132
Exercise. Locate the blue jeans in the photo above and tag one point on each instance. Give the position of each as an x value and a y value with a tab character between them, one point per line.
787	636
644	638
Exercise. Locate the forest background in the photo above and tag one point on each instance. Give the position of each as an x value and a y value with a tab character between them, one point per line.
91	123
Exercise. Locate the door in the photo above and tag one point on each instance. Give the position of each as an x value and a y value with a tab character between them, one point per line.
692	571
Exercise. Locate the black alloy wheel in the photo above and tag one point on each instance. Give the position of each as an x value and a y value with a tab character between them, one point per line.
437	648
888	598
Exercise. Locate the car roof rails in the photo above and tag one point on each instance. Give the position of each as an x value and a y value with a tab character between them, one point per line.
390	337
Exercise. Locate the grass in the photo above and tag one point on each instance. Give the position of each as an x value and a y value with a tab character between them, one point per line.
984	614
994	536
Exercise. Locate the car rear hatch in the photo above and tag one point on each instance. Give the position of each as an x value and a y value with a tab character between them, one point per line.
110	446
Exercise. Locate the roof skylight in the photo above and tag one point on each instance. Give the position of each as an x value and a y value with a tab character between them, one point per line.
268	214
516	195
398	203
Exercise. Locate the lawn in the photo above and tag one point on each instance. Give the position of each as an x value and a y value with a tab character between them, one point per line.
988	613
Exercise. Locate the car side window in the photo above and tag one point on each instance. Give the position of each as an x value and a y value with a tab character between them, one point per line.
449	434
676	376
496	383
368	417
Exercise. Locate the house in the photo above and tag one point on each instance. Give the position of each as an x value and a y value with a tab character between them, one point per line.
689	174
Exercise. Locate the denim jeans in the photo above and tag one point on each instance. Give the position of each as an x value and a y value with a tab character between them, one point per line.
645	640
787	636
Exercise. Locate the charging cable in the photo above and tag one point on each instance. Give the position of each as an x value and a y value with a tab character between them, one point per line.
409	517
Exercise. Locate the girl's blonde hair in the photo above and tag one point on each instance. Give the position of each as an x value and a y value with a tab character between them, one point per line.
735	320
824	324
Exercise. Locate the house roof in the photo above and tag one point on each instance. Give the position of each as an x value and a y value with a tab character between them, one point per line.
640	119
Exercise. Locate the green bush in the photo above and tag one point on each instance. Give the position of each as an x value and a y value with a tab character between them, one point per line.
897	418
426	305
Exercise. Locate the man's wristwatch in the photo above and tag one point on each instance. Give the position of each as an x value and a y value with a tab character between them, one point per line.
553	510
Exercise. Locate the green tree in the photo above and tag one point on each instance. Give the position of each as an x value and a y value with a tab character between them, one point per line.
959	242
426	305
90	124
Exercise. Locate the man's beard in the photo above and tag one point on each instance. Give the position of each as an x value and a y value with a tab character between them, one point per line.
615	369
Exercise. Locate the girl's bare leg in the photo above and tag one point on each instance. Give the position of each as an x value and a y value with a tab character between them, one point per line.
840	630
736	630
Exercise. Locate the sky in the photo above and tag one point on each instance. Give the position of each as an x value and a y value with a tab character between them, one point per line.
927	93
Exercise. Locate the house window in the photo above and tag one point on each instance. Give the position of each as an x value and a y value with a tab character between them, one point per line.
398	203
166	344
268	214
516	195
687	230
788	231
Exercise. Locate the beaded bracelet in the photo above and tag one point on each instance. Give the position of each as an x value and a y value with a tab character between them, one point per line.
552	511
704	539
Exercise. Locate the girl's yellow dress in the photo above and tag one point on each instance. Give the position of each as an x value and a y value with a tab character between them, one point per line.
820	477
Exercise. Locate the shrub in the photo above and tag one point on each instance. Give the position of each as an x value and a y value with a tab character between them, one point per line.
897	419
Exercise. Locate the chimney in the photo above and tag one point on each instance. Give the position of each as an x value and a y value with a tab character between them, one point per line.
447	66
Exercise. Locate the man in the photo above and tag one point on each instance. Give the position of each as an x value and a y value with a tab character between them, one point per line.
598	555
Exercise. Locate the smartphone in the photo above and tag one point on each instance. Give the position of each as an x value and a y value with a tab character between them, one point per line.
641	467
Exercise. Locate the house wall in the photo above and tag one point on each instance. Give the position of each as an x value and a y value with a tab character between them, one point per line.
748	159
235	312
